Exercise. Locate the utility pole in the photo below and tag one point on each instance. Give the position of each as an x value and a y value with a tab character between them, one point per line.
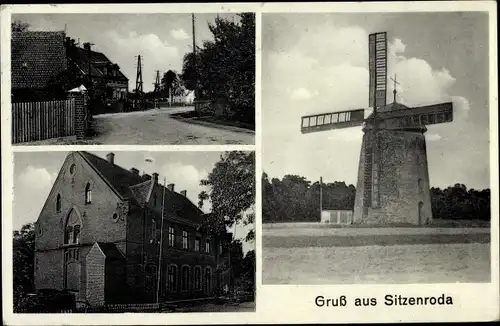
194	59
138	78
160	262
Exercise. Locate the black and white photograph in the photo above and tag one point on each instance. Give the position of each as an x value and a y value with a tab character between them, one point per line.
89	236
249	163
375	148
133	79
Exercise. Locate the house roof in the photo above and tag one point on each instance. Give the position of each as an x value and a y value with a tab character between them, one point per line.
37	57
119	178
97	59
110	250
131	186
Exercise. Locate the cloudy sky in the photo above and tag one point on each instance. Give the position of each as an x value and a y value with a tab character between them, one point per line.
36	172
161	39
314	63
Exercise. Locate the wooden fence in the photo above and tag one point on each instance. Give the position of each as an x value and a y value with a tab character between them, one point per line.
32	121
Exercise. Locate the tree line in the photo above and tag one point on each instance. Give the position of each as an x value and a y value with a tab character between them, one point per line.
296	199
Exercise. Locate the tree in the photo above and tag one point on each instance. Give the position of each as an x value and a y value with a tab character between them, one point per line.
23	257
19	26
249	270
231	192
224	68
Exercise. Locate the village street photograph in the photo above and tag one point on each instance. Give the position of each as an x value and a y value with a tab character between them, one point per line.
112	232
376	148
133	79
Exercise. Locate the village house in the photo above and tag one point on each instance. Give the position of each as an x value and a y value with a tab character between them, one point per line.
38	58
110	85
47	64
98	236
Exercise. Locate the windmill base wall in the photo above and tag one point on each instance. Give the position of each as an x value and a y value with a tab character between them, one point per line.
404	194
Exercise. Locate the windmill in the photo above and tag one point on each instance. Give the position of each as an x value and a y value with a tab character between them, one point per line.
393	177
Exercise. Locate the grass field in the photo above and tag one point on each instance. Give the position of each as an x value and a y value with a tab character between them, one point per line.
435	263
319	255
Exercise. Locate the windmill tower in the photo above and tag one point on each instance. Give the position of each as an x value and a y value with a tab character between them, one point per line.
138	78
393	176
157	83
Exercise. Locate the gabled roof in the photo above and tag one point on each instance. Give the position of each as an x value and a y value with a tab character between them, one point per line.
98	60
119	178
37	57
110	251
131	186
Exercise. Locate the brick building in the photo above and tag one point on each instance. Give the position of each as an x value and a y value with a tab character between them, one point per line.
98	237
37	59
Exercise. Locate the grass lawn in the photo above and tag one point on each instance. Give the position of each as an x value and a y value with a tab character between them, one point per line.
314	253
420	263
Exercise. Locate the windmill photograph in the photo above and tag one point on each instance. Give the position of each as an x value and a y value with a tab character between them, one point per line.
375	148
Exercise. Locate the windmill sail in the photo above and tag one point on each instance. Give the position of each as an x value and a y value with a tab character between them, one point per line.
378	69
332	120
424	115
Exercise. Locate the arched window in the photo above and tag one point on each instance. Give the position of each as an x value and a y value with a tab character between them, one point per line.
68	235
76	234
58	203
208	278
154	200
197	278
185	278
172	278
88	194
151	271
72	229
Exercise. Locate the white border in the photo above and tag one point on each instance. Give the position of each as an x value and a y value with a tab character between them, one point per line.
285	304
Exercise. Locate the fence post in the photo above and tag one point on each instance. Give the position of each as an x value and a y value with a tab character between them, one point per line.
81	119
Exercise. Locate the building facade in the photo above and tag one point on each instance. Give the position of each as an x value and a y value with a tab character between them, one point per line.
99	234
109	84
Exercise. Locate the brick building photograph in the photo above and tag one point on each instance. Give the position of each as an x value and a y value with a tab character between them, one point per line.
94	237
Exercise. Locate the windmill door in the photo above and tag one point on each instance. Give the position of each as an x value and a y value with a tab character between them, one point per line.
421	219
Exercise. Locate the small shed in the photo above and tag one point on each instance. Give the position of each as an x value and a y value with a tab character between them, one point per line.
105	274
337	216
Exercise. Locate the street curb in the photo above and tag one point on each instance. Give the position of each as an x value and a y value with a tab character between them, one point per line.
213	125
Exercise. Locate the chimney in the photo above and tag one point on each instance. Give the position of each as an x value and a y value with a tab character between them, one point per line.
183	192
146	176
134	171
171	187
155	177
111	158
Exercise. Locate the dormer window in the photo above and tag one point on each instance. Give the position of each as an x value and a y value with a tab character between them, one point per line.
88	194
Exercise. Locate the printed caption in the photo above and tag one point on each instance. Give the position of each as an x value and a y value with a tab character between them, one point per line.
390	300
